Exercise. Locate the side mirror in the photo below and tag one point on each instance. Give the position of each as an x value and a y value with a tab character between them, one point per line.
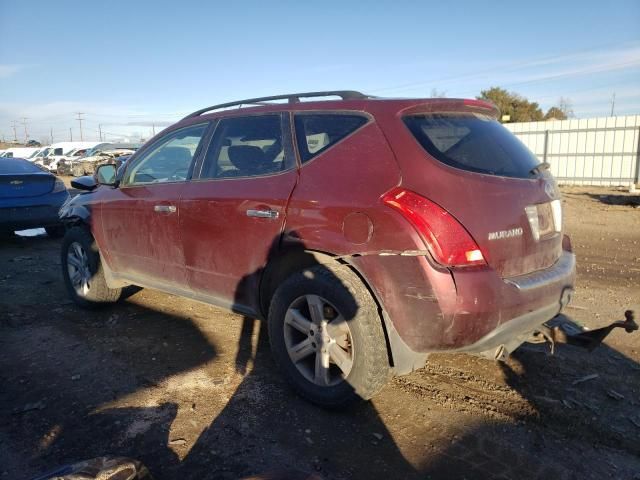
106	174
86	183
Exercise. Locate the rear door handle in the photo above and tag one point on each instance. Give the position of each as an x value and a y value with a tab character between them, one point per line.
165	209
262	213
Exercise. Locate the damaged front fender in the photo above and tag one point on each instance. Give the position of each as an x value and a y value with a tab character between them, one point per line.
75	211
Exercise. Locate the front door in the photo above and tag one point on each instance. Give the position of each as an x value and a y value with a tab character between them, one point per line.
232	214
140	219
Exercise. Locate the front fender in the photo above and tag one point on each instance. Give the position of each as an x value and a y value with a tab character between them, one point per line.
75	211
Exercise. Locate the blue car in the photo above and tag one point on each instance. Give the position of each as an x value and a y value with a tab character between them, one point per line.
30	197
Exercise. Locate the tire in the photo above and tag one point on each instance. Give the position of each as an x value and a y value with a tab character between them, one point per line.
348	305
55	232
94	292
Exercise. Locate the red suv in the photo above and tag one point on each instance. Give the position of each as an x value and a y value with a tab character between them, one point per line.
368	232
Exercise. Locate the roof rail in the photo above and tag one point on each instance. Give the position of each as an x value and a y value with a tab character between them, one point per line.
291	97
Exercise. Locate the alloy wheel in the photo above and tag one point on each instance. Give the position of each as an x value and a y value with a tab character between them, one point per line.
318	340
78	268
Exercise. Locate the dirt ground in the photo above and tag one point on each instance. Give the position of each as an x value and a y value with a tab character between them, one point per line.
192	391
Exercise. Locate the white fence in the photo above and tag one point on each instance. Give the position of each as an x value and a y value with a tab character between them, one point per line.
591	151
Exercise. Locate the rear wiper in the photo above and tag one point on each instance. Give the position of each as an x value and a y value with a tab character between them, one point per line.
538	168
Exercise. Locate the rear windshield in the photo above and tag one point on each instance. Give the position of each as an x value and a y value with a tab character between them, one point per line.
10	166
472	142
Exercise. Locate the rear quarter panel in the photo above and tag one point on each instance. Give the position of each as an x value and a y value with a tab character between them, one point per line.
336	209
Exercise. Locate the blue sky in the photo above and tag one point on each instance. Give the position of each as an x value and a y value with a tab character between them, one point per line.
129	64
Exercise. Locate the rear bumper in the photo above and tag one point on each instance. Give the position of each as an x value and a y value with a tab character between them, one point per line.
492	311
32	213
514	332
430	309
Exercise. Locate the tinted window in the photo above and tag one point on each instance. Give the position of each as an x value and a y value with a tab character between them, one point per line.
246	147
169	159
17	166
316	132
472	142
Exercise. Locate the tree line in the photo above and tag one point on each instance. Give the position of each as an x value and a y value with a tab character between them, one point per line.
519	109
515	108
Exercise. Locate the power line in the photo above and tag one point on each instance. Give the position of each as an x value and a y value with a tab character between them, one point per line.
80	122
613	103
26	133
15	134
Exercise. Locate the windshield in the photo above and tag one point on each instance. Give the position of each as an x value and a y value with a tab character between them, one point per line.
472	142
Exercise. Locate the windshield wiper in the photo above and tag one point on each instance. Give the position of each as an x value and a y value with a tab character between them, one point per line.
539	168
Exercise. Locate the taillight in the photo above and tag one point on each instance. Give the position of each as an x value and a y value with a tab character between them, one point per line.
448	241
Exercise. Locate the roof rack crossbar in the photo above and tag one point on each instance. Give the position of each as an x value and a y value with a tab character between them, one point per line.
291	98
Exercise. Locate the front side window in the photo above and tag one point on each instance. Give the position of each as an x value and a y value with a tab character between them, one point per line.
169	159
317	132
246	147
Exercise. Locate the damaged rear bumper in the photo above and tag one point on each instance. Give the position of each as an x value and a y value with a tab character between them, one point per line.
503	340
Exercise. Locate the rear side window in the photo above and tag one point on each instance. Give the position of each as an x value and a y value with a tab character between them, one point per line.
472	142
317	132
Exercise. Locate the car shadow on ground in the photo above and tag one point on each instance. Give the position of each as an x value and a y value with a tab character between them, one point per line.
62	409
561	411
281	435
622	199
60	385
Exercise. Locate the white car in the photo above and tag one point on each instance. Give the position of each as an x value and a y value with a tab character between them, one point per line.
58	151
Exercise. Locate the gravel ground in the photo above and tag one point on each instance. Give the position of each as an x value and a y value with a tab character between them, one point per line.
191	390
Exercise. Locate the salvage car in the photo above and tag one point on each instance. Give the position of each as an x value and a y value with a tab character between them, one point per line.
88	165
30	197
58	151
368	233
65	163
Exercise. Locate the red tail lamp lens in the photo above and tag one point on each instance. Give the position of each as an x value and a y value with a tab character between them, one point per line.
448	241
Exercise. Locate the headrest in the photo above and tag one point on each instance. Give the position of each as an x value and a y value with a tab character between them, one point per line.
246	158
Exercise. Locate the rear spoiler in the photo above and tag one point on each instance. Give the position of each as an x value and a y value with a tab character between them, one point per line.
454	105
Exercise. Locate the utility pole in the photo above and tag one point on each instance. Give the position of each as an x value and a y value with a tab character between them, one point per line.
100	131
80	122
613	103
26	134
51	131
15	134
70	135
153	128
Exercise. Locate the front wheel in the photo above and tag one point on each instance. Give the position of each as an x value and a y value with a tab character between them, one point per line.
55	232
327	337
83	272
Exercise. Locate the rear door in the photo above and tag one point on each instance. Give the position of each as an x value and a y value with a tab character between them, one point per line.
233	214
491	183
140	219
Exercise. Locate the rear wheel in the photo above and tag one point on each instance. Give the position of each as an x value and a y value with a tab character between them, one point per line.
82	270
327	337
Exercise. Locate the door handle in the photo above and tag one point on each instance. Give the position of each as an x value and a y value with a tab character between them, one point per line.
262	213
165	209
